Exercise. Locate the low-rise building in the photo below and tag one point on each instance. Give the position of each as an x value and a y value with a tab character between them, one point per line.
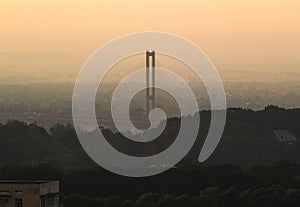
29	193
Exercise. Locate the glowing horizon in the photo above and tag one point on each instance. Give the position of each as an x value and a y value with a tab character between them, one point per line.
264	35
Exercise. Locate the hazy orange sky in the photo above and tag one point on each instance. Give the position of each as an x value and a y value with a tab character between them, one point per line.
255	34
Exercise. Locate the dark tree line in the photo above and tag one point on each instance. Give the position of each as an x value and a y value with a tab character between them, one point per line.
274	196
186	178
187	185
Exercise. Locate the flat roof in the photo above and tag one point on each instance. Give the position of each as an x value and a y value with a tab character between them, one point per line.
26	181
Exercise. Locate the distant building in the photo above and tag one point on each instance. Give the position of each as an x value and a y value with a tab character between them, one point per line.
29	193
284	136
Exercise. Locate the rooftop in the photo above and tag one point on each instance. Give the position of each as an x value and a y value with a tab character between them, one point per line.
25	181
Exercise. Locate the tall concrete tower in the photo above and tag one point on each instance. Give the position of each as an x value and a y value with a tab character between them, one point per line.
150	86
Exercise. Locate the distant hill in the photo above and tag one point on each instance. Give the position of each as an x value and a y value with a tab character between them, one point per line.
248	139
22	143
